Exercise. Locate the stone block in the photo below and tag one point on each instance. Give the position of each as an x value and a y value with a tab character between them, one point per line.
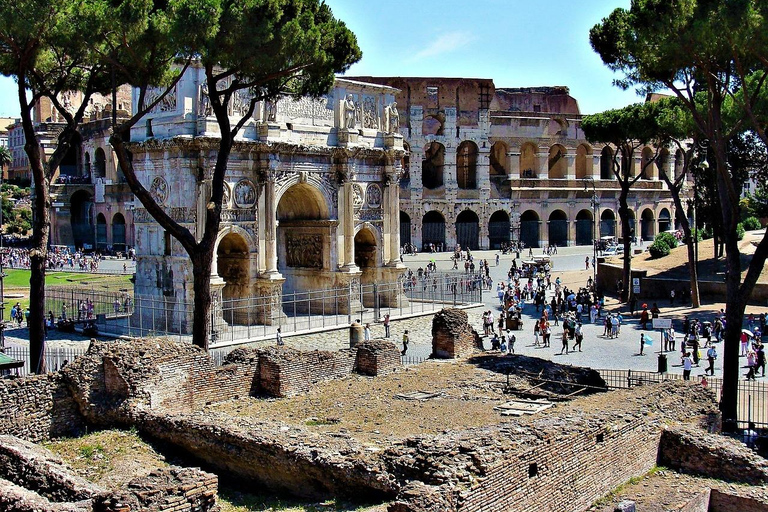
377	357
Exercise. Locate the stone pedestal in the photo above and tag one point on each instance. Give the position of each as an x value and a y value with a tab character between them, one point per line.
347	136
269	303
218	323
393	140
268	131
350	303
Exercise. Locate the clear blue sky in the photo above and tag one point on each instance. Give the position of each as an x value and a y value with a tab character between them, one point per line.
517	43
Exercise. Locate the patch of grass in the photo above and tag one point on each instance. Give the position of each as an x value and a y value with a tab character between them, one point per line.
315	422
88	451
614	494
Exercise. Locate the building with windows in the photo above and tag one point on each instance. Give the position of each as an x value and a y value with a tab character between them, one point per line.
486	166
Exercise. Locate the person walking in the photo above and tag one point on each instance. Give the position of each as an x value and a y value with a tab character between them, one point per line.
586	263
578	336
511	339
760	365
367	332
386	325
565	342
406	340
687	365
711	356
279	338
642	343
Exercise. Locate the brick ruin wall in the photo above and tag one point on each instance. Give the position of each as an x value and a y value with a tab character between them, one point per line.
32	479
452	336
38	408
696	452
287	372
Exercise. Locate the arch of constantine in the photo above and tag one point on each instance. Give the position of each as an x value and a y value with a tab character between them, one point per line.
311	198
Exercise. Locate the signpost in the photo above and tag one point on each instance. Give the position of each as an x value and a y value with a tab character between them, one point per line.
661	324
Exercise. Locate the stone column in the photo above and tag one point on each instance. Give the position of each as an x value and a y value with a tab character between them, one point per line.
392	198
513	164
570	172
270	227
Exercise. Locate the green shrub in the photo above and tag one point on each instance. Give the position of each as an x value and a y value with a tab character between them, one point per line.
752	223
658	249
739	231
667	238
706	233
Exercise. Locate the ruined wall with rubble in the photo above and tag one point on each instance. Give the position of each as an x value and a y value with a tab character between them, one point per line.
32	479
38	408
452	336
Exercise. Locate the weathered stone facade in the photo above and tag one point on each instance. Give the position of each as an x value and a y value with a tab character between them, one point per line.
487	165
311	199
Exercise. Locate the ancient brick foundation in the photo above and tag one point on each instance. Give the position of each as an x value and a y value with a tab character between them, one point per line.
32	479
377	357
38	408
452	336
697	452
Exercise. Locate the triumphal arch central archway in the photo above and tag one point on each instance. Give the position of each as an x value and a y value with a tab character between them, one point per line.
311	201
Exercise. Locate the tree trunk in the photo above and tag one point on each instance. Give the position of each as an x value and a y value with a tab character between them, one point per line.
694	273
626	236
201	269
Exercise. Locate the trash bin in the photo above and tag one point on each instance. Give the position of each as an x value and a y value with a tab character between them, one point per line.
355	334
662	363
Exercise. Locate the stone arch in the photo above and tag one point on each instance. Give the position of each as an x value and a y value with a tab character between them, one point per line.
583	161
498	159
606	163
433	165
557	163
607	223
99	163
433	229
632	223
665	220
468	230
405	229
70	164
81	218
498	229
366	242
405	176
558	228
233	266
585	227
663	163
118	232
646	164
87	163
466	165
530	225
627	163
302	201
101	231
647	224
529	167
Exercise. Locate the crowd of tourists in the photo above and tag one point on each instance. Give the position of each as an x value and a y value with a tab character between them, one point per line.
59	258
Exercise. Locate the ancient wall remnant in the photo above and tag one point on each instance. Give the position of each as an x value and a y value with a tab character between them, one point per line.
377	357
286	372
452	336
37	408
698	452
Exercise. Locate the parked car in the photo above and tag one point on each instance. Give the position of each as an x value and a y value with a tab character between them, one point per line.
612	250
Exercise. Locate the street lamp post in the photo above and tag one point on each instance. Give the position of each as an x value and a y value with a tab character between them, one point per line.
589	180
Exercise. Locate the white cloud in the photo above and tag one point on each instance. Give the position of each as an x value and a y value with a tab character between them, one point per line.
446	43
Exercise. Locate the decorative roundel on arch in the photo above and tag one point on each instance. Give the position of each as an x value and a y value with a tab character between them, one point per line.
159	190
245	194
373	195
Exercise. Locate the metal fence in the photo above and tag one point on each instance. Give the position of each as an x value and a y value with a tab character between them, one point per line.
752	406
236	320
55	358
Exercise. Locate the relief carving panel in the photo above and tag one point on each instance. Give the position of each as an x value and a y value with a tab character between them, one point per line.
304	251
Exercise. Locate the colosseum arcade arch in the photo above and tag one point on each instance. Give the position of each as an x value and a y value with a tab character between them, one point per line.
100	163
606	164
498	229
433	165
558	228
81	219
304	239
433	231
557	163
366	256
405	229
647	225
468	230
585	228
466	165
529	167
101	232
647	166
607	223
118	232
233	266
583	161
498	159
665	220
530	226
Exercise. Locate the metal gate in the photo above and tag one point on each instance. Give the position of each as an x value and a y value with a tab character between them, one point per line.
434	233
558	232
498	233
584	232
405	232
529	233
468	235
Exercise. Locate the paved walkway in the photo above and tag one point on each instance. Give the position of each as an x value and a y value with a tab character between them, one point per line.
598	351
